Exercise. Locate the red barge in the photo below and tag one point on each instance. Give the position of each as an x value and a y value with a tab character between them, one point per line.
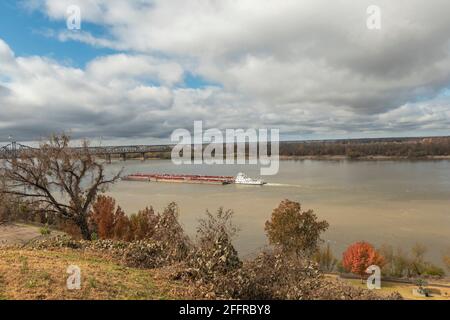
182	178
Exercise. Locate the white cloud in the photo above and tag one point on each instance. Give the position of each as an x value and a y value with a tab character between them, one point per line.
122	66
306	66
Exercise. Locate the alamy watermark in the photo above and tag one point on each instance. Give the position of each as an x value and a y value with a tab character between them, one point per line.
374	17
74	280
73	21
374	280
207	147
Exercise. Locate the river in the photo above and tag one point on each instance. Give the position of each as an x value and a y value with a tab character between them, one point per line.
384	202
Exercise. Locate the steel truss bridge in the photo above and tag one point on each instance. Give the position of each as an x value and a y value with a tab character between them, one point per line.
15	149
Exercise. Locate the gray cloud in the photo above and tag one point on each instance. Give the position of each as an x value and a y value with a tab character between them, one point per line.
309	67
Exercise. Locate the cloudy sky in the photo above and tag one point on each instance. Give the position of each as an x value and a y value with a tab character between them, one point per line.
137	70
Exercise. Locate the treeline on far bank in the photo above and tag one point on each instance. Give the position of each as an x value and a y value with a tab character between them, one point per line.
406	148
358	148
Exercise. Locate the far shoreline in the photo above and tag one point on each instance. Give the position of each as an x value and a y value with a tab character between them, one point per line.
365	158
330	158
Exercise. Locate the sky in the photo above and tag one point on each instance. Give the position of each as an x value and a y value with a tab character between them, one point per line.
138	70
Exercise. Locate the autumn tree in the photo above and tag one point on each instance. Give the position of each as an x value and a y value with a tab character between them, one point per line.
122	229
59	179
359	256
293	230
102	216
143	224
112	223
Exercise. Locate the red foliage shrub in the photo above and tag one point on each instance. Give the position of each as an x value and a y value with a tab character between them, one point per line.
359	256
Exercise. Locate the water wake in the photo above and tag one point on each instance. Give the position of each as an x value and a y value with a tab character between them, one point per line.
283	185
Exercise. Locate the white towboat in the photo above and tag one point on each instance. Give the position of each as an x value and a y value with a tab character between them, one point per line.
241	178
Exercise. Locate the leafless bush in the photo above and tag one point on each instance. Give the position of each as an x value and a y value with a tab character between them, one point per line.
271	276
214	254
170	233
145	254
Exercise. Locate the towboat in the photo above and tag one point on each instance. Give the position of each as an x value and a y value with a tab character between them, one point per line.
241	178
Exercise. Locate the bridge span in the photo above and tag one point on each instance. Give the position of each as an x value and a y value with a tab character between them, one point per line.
14	149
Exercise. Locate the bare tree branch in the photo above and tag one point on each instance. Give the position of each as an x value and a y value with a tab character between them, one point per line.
39	174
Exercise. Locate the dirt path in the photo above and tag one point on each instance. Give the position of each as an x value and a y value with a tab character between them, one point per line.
17	233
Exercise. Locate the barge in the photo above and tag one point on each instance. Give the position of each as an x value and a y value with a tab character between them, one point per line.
181	178
188	178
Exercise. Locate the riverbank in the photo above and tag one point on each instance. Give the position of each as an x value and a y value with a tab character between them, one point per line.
35	272
364	158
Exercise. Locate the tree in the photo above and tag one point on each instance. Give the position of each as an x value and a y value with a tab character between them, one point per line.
61	180
102	215
446	259
325	258
293	230
5	203
143	224
396	262
418	258
359	256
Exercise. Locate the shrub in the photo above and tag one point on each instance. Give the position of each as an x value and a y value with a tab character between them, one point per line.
271	276
70	228
144	254
214	253
45	231
59	241
294	230
277	276
432	270
170	233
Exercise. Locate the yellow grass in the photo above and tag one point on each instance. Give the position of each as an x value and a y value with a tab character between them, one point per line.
405	290
28	274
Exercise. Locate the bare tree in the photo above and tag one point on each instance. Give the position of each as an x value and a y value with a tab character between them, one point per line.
59	179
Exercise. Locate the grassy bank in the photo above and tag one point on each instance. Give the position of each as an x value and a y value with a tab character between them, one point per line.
41	274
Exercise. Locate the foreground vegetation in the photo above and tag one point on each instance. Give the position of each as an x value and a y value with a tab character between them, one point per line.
205	268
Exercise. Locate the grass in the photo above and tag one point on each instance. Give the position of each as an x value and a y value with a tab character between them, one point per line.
41	274
404	289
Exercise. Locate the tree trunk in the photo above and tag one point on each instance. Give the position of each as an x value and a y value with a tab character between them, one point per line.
84	229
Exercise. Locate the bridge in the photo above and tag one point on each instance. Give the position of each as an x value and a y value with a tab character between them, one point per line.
14	149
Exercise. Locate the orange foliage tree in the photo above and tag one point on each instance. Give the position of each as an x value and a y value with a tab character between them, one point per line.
102	214
112	223
359	256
